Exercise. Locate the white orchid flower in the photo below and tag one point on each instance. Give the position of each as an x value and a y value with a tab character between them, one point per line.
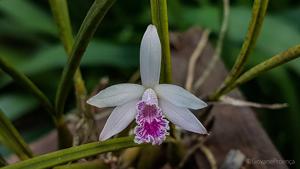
151	103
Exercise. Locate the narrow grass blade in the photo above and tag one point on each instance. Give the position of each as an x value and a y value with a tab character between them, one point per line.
86	32
277	60
61	14
12	139
74	153
258	14
25	82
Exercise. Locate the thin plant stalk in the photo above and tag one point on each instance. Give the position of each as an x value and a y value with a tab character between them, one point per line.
258	14
61	15
275	61
12	138
74	153
89	26
25	82
159	14
60	12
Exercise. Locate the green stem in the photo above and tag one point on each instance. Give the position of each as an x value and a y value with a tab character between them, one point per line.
277	60
12	138
258	14
97	164
61	15
74	153
159	13
24	81
86	32
65	137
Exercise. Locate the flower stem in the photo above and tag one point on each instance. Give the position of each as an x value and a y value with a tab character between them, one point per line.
24	81
277	60
27	83
61	15
12	138
65	137
89	26
258	14
159	15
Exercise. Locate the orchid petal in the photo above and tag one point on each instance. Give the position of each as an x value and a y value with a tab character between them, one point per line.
150	57
116	95
119	119
182	117
179	96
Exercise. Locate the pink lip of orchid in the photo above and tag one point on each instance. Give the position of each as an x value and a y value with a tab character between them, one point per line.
150	104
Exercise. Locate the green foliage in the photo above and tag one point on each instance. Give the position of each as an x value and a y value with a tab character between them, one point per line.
12	139
255	25
25	82
24	104
74	153
85	165
89	26
21	12
115	49
99	53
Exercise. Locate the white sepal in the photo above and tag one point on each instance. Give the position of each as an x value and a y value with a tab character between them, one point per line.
182	117
179	96
150	57
116	95
119	119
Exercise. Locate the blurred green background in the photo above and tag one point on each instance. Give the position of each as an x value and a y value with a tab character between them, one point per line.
29	39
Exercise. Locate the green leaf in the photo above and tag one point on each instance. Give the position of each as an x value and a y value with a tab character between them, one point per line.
12	139
291	16
17	105
289	121
206	16
29	16
60	12
270	41
99	53
273	62
25	82
87	30
97	164
74	153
